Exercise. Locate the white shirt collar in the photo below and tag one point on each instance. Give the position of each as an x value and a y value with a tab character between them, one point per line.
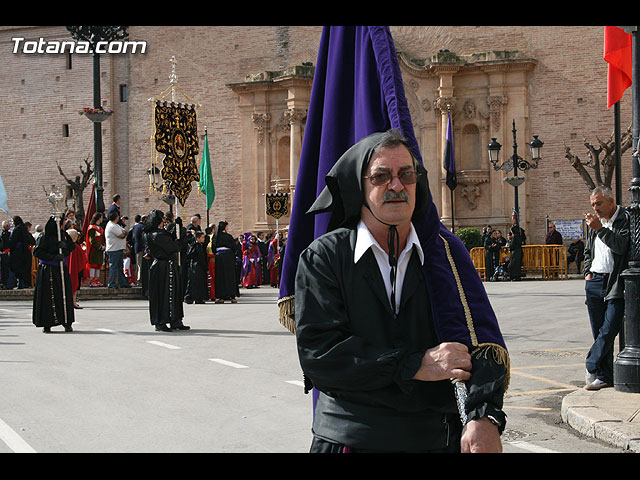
611	220
365	240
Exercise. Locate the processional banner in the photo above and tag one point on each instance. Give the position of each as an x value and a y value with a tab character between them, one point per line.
277	204
176	136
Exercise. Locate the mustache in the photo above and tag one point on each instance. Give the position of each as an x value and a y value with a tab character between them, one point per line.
390	195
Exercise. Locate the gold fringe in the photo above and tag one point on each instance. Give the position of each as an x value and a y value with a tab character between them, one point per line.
463	297
287	313
500	354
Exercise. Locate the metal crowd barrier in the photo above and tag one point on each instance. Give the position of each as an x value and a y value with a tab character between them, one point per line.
548	261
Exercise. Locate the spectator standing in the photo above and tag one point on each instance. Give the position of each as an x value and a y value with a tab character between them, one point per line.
553	237
115	240
606	255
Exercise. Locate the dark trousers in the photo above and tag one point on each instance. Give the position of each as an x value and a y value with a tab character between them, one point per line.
606	319
319	445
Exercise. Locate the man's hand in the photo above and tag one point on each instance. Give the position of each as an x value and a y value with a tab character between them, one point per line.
480	436
446	361
593	221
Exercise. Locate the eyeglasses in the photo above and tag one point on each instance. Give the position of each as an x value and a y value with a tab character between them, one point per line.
406	178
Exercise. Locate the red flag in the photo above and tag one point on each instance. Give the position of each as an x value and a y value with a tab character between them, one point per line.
618	54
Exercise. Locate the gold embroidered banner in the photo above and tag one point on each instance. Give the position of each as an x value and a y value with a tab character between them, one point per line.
277	204
177	137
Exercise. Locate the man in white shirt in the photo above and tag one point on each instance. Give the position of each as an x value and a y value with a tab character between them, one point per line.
606	256
115	236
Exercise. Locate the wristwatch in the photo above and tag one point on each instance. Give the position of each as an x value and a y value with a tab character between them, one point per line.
494	420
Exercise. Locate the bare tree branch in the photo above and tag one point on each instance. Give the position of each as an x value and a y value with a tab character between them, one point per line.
78	185
602	159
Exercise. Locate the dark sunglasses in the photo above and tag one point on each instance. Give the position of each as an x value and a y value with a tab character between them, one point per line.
406	178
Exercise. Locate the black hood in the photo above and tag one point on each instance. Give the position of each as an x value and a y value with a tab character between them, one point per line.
344	196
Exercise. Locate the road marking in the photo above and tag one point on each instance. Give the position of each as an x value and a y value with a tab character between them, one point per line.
13	440
535	367
106	330
537	409
531	447
546	380
227	363
539	392
296	382
165	345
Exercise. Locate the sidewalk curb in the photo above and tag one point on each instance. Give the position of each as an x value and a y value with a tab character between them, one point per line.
582	413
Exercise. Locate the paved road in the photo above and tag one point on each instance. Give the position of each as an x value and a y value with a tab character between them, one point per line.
546	327
232	383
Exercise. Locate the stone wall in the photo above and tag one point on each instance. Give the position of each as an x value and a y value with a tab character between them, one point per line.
565	102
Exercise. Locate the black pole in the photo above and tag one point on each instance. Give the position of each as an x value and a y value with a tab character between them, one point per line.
618	171
516	207
452	212
97	136
627	365
616	117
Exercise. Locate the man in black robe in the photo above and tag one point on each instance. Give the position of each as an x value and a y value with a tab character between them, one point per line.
226	251
164	284
197	289
515	259
377	335
51	305
19	252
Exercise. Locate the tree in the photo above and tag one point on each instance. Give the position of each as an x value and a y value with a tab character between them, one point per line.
471	237
603	168
78	185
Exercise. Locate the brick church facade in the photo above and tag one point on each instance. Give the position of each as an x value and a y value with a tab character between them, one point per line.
252	85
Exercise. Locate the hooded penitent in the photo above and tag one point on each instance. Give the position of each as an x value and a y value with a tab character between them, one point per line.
462	311
357	93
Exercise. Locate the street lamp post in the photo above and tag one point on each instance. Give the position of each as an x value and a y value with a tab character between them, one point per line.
626	372
513	163
93	35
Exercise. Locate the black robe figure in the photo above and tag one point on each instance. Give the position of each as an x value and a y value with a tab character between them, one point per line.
197	287
164	287
48	304
226	284
515	262
19	253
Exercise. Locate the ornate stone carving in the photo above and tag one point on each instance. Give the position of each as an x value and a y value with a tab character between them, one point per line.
261	122
495	108
469	109
295	115
444	103
471	193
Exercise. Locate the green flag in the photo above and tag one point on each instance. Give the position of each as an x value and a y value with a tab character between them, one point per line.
206	179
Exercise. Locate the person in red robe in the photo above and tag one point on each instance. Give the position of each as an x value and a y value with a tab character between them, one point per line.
273	259
77	263
95	249
251	272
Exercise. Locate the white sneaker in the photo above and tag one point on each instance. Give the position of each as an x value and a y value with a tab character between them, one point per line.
589	377
597	384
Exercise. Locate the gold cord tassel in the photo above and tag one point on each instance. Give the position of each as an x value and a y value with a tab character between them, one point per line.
287	313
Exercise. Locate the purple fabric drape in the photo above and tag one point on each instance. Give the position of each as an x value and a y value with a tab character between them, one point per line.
358	90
